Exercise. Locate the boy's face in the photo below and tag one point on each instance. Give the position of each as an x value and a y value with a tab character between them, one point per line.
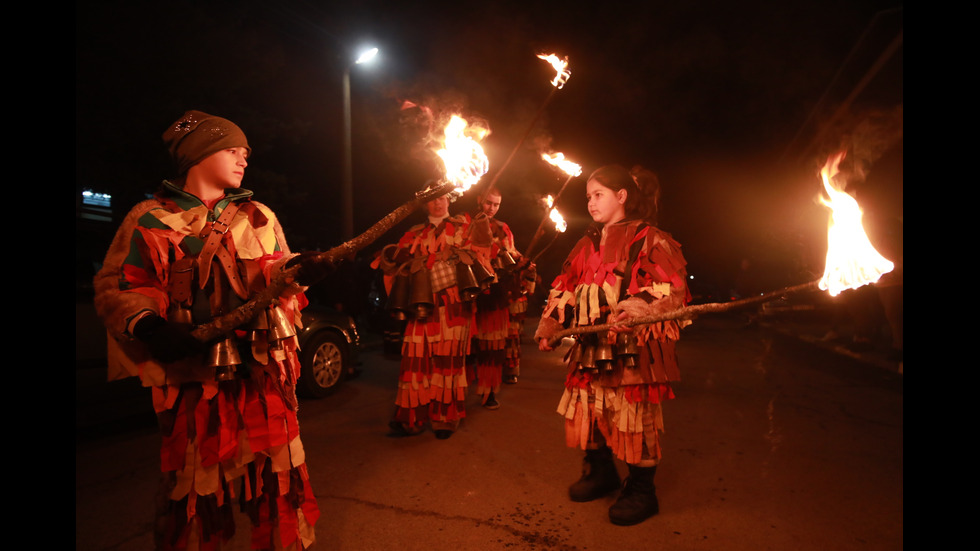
490	205
438	207
223	169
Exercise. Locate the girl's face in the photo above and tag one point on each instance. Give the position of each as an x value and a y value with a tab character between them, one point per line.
605	205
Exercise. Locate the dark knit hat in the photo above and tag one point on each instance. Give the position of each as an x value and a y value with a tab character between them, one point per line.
196	135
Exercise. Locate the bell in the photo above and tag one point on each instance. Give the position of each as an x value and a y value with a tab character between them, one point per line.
588	357
506	260
627	349
604	355
398	298
224	358
483	276
466	281
181	314
420	296
279	325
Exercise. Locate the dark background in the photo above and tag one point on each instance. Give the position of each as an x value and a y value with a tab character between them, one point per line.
734	105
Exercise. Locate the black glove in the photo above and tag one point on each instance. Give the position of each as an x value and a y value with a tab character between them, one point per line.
166	341
310	270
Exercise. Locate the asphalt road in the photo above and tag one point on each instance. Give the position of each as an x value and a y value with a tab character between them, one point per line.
772	443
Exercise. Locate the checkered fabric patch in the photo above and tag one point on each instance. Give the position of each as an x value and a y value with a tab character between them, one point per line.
443	275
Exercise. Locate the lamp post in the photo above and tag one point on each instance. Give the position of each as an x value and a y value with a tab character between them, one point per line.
347	192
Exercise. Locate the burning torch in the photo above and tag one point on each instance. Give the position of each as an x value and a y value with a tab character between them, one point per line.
851	263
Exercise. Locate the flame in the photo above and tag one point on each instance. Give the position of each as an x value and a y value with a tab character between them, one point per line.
462	155
558	159
851	259
556	217
549	201
561	66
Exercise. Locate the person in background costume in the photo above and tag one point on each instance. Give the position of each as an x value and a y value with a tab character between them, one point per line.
227	410
622	268
496	338
420	278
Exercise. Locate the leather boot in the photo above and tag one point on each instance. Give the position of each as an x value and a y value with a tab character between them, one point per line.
599	476
638	500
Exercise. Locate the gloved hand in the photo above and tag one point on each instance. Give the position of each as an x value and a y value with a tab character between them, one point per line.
310	271
166	341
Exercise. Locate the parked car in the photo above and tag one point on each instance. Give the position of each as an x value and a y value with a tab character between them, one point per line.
329	346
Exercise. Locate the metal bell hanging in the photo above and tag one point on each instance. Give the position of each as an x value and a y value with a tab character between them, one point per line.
483	276
421	294
224	358
506	260
398	304
279	325
627	349
604	356
588	357
181	314
466	281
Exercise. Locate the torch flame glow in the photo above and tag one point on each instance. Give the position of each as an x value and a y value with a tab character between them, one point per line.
558	159
556	217
561	66
851	259
462	155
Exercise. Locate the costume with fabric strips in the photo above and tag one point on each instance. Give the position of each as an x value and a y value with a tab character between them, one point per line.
227	441
492	326
432	379
637	269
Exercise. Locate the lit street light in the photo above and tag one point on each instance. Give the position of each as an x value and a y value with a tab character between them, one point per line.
347	195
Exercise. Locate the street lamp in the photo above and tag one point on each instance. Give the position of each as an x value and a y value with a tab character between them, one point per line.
347	194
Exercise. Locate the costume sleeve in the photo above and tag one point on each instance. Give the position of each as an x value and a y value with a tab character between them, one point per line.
128	282
659	282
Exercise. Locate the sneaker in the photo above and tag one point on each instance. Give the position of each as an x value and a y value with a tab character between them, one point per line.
491	402
510	379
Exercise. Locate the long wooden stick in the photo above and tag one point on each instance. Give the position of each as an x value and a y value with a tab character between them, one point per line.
687	312
245	313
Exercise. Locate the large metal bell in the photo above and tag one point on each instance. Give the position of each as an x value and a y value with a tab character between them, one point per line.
466	281
279	325
588	357
398	303
604	355
421	297
224	358
483	276
505	260
627	349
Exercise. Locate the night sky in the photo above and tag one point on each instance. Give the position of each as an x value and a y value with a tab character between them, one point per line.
734	105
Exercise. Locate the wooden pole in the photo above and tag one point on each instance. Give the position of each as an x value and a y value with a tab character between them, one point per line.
687	312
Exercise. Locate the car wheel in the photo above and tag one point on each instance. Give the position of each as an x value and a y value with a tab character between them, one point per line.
322	362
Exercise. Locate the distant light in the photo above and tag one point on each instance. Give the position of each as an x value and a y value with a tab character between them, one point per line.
367	56
90	197
690	276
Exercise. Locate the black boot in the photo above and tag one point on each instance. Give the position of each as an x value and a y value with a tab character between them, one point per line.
599	476
638	500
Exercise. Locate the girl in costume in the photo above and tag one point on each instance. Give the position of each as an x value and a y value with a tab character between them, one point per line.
622	268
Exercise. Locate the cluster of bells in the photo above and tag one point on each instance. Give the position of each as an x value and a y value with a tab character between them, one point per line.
269	327
601	356
411	294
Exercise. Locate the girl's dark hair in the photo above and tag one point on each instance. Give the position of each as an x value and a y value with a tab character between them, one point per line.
642	189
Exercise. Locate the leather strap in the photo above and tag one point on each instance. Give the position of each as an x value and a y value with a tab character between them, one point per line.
212	235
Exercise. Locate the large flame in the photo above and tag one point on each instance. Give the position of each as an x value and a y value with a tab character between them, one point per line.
851	259
561	66
556	217
553	214
558	159
462	154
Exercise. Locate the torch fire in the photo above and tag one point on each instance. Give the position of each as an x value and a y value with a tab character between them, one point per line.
559	160
555	216
462	154
852	260
561	66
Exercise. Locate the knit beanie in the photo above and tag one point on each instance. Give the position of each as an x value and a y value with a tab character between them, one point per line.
194	136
